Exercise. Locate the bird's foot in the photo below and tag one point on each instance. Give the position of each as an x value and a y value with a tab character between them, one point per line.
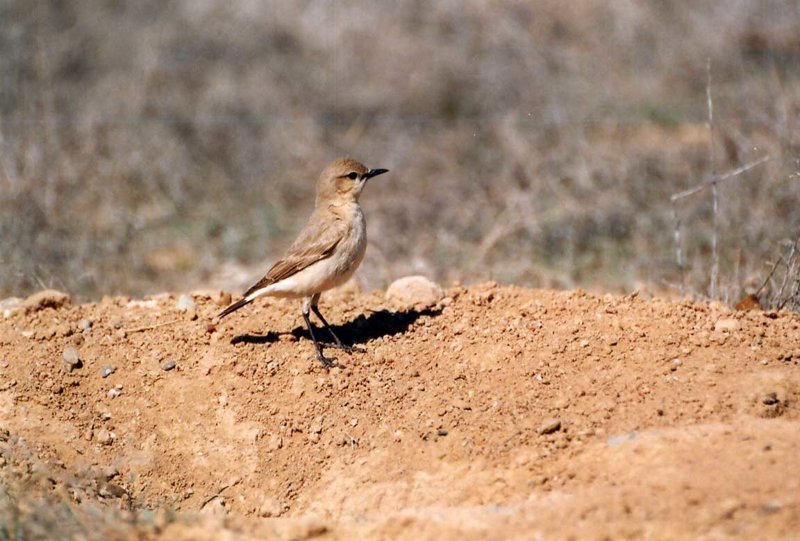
327	362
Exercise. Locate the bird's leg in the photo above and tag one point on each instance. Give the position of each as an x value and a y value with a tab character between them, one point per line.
339	344
326	362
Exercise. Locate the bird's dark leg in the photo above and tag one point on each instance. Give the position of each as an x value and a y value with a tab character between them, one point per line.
339	344
326	362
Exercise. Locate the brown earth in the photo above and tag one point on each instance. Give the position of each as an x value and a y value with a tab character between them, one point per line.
499	413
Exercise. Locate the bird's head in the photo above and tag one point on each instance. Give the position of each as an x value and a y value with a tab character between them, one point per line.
343	180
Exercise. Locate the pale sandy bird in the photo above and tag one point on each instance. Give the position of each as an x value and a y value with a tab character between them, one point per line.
327	251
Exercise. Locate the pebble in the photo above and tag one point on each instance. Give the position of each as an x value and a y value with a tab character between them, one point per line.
770	399
220	298
550	426
104	437
270	507
169	365
107	371
85	325
185	302
414	291
111	490
10	305
113	393
316	425
70	356
727	325
274	443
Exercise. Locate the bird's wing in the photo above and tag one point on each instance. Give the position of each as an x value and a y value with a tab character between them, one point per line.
316	242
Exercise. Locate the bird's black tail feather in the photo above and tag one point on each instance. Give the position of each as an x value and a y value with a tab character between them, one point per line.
233	307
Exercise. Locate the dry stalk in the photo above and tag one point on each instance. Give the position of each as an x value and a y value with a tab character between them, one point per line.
678	250
708	182
712	289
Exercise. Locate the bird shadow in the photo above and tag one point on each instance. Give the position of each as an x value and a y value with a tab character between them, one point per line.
360	330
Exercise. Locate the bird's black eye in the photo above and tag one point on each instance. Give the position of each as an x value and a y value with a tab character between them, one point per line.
353	175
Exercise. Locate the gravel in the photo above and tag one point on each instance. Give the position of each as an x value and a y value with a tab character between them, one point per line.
71	357
185	302
550	426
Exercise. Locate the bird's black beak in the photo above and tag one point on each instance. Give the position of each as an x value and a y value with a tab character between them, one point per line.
374	173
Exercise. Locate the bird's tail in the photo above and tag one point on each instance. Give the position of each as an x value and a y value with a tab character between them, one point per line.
233	307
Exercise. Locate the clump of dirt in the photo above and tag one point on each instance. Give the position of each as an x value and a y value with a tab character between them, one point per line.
498	412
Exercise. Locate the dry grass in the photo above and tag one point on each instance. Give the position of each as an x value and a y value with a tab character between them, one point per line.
142	144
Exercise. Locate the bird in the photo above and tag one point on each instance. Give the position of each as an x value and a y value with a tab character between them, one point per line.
327	251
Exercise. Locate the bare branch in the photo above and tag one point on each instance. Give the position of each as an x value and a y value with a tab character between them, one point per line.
725	176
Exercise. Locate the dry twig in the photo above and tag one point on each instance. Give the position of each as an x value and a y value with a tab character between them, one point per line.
151	327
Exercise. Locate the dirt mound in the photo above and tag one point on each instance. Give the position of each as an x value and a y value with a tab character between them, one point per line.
500	412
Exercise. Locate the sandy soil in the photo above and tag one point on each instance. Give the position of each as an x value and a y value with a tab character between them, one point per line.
498	413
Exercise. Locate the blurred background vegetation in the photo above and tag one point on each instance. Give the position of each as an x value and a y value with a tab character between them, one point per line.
149	145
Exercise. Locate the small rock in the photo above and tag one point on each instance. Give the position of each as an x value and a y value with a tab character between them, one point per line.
113	393
770	399
414	291
10	306
442	432
749	302
49	298
316	425
111	490
220	298
85	325
4	434
185	302
274	443
727	325
270	507
584	343
169	365
728	507
550	426
70	356
107	371
104	437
